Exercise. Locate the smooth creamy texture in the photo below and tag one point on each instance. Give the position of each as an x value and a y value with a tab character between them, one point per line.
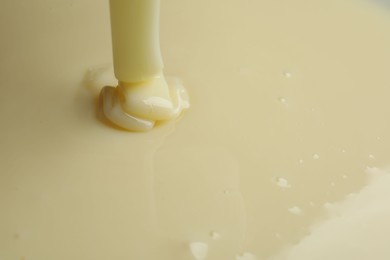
289	107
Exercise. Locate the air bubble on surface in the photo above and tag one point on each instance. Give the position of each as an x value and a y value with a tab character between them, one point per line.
215	235
246	256
282	183
287	74
282	100
328	205
295	210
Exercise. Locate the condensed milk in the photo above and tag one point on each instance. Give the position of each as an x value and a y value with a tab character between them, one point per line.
282	155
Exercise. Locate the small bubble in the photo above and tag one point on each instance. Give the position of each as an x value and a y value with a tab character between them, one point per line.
295	210
344	177
282	183
328	205
370	156
282	100
246	256
278	236
300	161
226	192
199	250
287	74
332	184
215	235
343	151
316	156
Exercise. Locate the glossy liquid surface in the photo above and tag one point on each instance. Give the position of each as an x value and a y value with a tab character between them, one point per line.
289	108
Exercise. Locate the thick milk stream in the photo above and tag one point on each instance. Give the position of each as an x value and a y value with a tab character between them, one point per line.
289	120
143	96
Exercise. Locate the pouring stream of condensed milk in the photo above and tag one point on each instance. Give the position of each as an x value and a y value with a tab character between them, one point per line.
143	95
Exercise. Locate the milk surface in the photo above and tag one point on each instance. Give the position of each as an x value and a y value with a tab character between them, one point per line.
289	108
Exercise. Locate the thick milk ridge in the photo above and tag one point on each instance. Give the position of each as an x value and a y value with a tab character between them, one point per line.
289	108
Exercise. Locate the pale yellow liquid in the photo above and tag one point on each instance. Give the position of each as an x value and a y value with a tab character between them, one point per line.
143	96
289	108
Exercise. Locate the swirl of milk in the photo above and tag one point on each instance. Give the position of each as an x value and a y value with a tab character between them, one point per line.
137	107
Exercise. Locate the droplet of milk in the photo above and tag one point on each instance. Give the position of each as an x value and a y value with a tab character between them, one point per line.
287	74
246	256
316	156
282	100
215	235
328	205
282	183
278	236
295	210
199	250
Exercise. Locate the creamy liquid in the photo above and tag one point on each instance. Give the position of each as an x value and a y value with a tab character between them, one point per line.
143	96
289	108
